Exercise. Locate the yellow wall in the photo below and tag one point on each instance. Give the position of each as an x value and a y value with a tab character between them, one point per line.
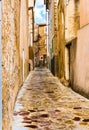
41	43
14	39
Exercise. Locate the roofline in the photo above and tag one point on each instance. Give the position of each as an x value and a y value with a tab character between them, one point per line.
41	24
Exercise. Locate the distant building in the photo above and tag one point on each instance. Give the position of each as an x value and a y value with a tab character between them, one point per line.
51	7
31	5
36	40
40	43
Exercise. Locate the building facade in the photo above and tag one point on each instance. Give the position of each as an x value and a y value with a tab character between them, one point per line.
31	5
10	58
72	42
36	50
15	54
42	45
51	7
72	24
61	38
81	80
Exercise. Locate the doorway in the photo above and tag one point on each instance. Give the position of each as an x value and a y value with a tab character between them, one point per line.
67	62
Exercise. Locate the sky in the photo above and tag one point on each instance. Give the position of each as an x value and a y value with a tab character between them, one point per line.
40	12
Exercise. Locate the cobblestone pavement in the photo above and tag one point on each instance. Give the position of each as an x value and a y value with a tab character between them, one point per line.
43	103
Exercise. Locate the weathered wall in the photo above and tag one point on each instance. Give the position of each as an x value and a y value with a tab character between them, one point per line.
54	42
31	26
81	67
12	43
72	19
10	58
84	12
31	4
24	50
72	60
50	30
41	43
53	36
36	57
81	81
72	24
61	39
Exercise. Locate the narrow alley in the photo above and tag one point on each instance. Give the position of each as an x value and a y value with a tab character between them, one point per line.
43	103
45	64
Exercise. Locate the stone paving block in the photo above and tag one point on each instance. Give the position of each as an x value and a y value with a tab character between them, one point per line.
43	103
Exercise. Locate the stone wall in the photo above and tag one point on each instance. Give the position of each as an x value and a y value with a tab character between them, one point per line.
54	41
14	20
42	40
50	30
72	24
53	36
24	46
72	19
72	60
61	38
51	23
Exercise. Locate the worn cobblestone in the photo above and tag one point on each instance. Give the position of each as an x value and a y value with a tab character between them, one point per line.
43	103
